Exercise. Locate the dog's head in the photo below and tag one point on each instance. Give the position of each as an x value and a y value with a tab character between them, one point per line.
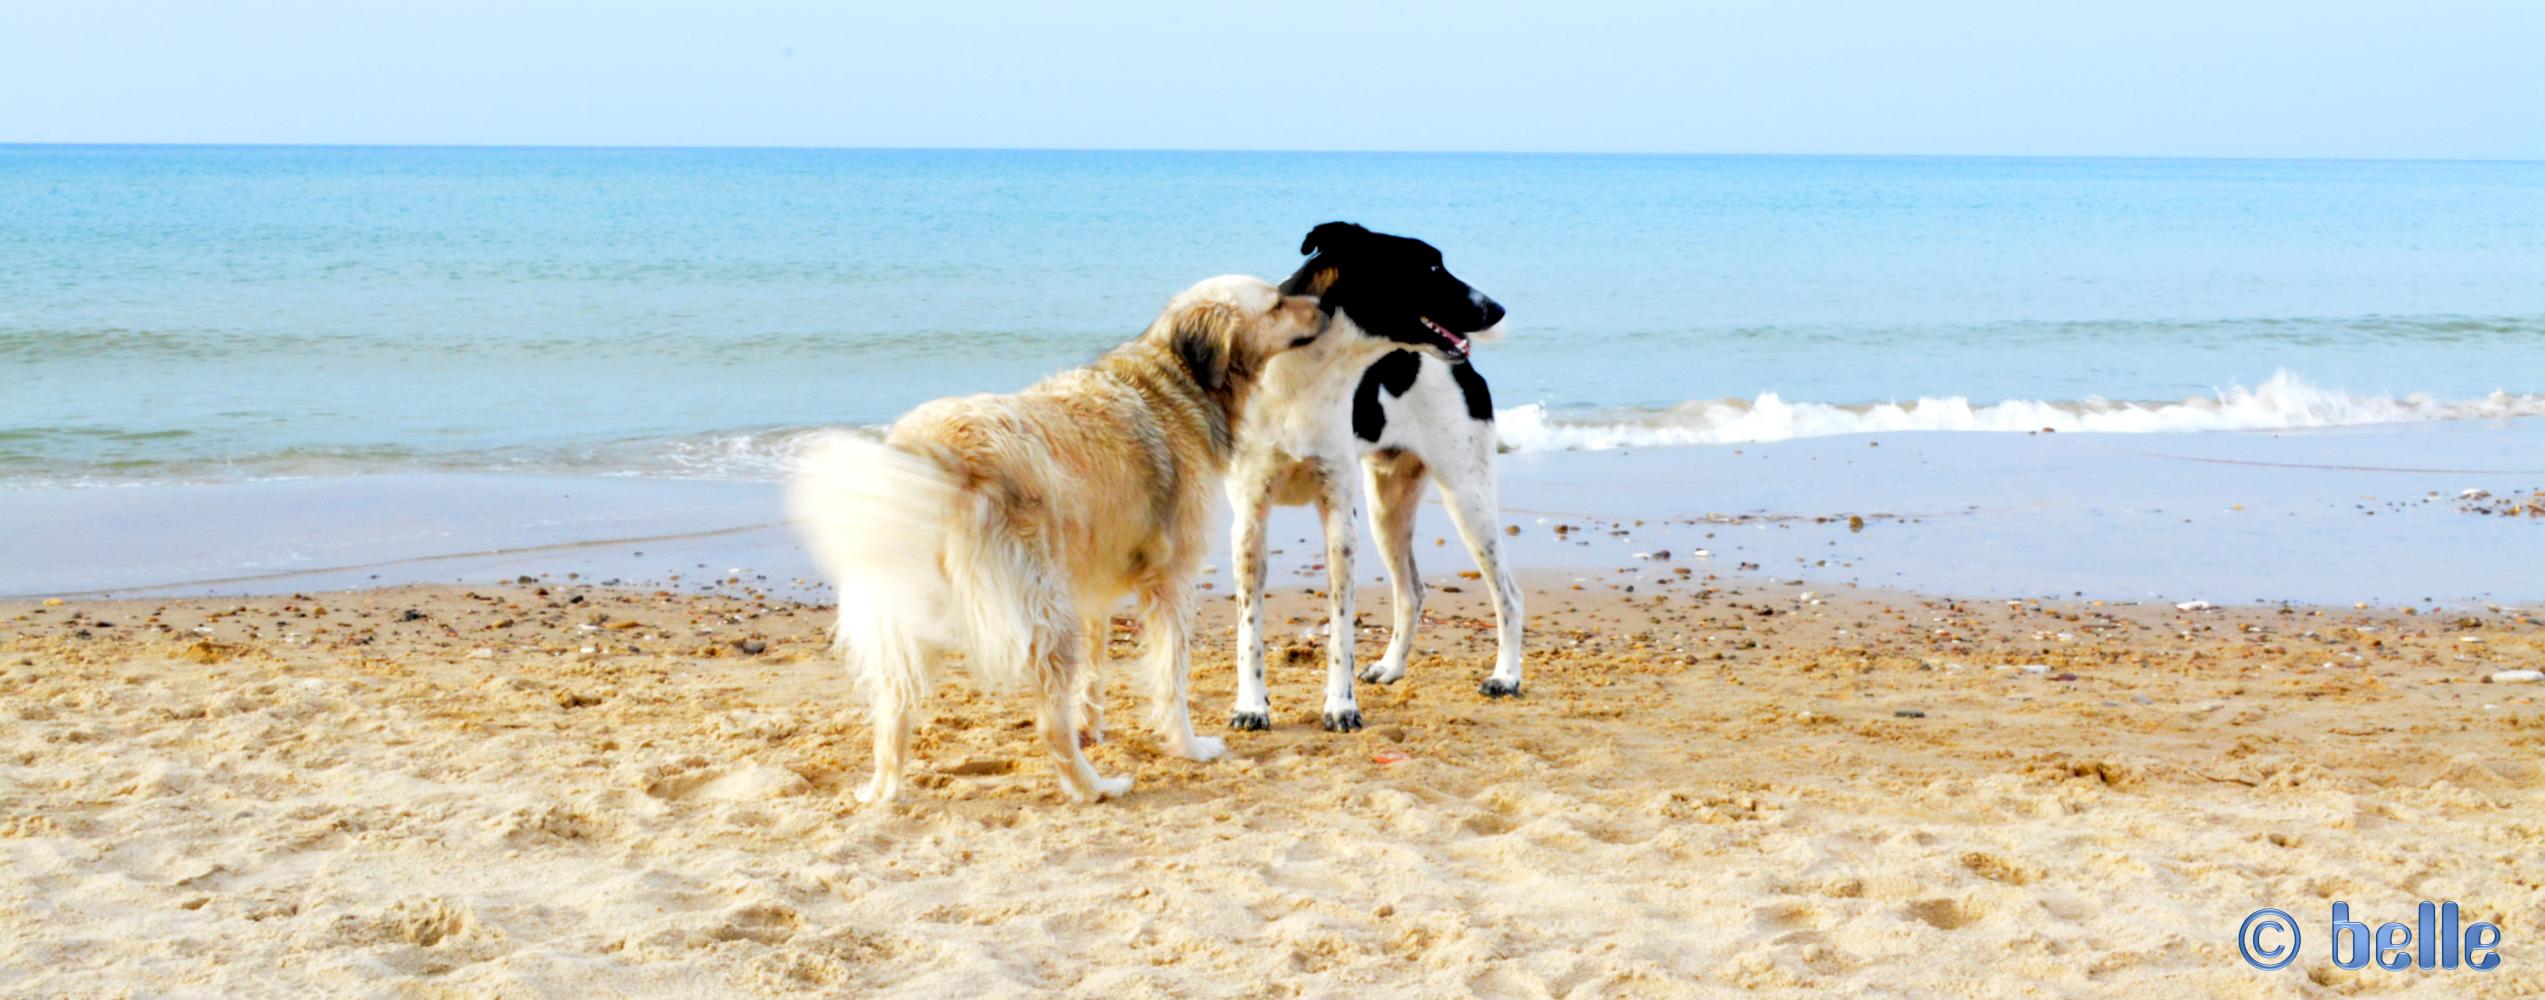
1225	328
1393	287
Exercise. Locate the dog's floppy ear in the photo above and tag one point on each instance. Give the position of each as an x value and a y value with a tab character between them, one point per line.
1331	236
1204	337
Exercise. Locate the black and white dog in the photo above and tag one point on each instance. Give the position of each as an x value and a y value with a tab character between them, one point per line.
1416	415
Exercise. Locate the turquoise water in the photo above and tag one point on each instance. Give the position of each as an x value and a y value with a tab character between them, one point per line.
219	312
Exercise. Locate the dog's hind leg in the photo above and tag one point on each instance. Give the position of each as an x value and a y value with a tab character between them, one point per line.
892	721
1250	502
1167	609
1095	630
1056	654
1339	506
1396	492
1473	508
895	676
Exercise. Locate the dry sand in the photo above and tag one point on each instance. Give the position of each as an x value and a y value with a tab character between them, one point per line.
1710	788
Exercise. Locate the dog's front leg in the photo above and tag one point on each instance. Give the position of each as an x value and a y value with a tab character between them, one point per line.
1095	631
1249	502
1056	653
1395	489
1339	506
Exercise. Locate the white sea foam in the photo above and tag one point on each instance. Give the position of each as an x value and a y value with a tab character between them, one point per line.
2282	401
748	455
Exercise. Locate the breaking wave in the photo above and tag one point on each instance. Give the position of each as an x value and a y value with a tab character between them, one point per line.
2283	401
34	456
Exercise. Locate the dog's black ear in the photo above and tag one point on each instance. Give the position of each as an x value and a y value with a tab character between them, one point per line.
1331	236
1204	337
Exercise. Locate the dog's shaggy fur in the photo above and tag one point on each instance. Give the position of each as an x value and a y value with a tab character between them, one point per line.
1005	527
1419	414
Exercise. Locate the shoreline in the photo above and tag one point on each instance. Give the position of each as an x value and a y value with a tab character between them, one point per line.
2354	515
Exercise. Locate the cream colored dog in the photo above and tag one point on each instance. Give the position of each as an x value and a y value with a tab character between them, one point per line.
1005	527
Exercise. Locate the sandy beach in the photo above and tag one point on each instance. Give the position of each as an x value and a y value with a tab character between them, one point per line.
1713	786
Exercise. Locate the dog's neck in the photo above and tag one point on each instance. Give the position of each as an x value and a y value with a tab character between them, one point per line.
1151	367
1306	392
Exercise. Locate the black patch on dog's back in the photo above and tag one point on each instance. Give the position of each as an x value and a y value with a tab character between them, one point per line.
1394	373
1472	386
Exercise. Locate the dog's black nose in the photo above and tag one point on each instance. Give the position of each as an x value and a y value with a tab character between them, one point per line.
1493	314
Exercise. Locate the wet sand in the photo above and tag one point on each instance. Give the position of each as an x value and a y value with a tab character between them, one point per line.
1714	785
2390	514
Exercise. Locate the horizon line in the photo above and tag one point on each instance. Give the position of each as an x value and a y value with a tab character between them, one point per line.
668	147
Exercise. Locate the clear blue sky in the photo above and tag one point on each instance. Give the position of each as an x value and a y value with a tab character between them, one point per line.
2426	78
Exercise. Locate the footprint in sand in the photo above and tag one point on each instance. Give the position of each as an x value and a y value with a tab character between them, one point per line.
751	783
1948	914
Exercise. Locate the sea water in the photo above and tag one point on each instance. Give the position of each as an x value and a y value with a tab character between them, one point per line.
234	313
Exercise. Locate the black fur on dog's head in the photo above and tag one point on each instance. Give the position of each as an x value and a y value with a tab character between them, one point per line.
1393	287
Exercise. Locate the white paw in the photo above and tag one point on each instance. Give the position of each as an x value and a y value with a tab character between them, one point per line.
878	789
1112	788
1383	672
1203	748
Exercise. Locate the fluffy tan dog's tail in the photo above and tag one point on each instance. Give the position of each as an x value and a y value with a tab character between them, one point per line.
919	564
